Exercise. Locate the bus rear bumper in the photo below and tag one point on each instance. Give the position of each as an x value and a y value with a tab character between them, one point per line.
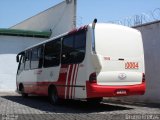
93	90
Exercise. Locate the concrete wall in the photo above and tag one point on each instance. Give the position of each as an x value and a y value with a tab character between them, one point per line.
151	39
9	47
60	19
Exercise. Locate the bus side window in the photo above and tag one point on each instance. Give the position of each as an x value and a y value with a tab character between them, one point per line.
73	50
40	56
67	50
21	64
37	57
52	53
80	47
27	60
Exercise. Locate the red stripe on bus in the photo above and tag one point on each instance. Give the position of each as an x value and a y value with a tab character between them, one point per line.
69	80
62	81
72	77
75	79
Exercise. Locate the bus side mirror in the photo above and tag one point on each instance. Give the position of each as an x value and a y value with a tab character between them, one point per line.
17	58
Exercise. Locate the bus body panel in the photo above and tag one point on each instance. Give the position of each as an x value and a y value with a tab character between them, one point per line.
28	79
119	58
118	61
94	90
45	77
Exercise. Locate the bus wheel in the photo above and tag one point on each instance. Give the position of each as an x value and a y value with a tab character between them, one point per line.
25	95
94	100
53	96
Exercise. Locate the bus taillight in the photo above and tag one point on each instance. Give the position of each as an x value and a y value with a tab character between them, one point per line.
93	78
143	78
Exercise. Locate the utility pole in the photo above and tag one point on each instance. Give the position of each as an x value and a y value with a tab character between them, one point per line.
68	1
75	14
74	3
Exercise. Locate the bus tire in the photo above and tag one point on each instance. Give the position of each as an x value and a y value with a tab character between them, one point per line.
21	88
53	96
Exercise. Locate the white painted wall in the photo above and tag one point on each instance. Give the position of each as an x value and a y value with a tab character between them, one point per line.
9	47
59	18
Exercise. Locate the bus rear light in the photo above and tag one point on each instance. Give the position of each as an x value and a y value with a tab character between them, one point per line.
93	78
143	78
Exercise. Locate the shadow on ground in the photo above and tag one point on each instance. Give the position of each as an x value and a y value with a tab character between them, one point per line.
67	106
133	103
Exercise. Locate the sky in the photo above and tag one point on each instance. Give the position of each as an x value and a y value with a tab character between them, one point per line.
15	11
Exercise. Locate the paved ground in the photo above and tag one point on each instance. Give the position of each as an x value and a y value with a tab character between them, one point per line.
15	107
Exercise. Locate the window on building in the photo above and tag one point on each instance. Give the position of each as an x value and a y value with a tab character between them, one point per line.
52	53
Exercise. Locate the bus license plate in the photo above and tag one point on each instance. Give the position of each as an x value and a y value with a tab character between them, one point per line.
121	92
